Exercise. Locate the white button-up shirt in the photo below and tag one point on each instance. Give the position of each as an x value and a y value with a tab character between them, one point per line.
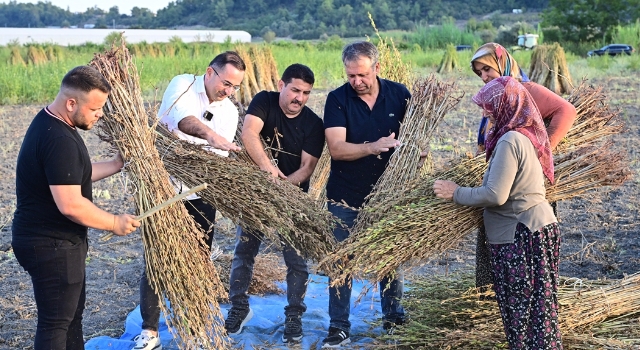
186	96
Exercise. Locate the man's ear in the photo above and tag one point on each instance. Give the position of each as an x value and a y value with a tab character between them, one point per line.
280	85
71	104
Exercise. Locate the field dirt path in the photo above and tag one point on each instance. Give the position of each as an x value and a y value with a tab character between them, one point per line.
599	230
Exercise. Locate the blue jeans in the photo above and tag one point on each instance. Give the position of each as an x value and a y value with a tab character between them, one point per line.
57	270
247	246
339	298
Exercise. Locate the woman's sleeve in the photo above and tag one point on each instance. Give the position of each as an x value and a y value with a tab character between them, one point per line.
501	174
555	110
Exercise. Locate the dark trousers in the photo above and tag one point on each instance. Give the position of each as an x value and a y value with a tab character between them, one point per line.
247	246
205	215
340	298
57	270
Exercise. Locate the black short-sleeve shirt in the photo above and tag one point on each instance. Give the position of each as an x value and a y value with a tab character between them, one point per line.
352	181
302	133
52	153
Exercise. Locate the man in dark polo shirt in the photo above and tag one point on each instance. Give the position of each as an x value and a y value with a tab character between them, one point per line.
362	120
54	206
296	137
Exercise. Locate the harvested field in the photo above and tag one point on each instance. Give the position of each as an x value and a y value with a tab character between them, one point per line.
599	231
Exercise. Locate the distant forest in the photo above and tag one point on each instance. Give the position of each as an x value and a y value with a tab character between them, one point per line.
300	19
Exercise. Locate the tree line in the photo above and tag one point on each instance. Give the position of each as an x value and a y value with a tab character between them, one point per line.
565	20
300	19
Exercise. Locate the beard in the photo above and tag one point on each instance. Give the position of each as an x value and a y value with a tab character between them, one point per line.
80	122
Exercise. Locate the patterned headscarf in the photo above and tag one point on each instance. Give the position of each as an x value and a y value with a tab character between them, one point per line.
497	57
512	108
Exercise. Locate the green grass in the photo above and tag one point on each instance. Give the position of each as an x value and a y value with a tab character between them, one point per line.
39	84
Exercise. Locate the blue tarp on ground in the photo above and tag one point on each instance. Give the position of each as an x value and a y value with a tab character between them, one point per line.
264	330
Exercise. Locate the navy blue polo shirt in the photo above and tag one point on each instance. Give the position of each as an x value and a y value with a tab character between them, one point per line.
352	181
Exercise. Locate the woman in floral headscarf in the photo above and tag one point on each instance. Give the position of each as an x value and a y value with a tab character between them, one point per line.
522	231
489	62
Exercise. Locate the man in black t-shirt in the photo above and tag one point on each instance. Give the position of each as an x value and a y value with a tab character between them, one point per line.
295	136
54	206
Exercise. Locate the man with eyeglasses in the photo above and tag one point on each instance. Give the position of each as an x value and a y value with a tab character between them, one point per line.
196	108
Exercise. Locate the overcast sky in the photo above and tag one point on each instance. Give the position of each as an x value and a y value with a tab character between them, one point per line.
124	6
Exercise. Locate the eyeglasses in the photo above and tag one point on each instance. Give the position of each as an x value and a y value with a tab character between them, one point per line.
227	84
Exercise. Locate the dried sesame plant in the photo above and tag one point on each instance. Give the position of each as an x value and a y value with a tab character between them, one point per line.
413	225
250	197
320	176
177	262
448	313
431	99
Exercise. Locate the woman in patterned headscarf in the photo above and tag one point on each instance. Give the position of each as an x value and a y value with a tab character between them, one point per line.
522	231
492	61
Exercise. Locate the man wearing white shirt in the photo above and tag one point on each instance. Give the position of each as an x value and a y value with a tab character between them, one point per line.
196	108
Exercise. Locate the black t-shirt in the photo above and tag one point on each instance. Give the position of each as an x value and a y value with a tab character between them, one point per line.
52	153
305	132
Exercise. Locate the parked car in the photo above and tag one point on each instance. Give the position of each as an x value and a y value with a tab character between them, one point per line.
612	50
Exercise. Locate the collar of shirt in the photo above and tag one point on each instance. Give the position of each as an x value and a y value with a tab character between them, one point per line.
199	88
383	89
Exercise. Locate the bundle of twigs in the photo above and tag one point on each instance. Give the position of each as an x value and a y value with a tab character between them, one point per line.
177	263
406	230
449	60
320	176
249	86
413	225
430	101
251	197
549	68
595	119
587	168
447	313
261	73
267	270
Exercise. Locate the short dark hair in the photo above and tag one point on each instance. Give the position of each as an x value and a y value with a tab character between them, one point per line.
85	79
298	71
228	57
356	50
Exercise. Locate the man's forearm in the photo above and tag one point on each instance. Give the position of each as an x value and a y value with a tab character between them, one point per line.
342	150
299	176
253	145
192	126
100	170
85	213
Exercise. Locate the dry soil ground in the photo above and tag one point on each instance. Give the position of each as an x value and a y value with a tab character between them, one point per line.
599	230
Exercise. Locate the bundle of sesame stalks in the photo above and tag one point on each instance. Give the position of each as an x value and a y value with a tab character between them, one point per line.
391	65
267	271
412	225
595	119
405	231
430	101
320	176
447	313
177	263
251	197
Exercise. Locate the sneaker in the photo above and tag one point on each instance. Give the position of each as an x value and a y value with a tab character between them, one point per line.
236	319
292	329
147	341
336	338
390	326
